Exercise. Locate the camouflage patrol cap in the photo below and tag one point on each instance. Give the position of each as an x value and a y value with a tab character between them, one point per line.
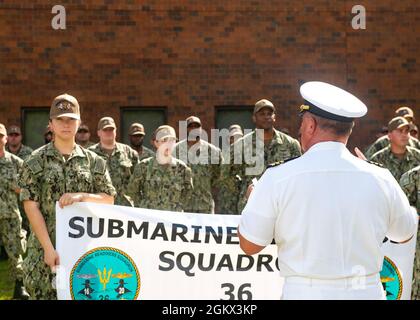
397	122
235	130
263	103
65	105
193	119
83	127
163	132
14	130
3	130
234	126
106	122
405	112
136	129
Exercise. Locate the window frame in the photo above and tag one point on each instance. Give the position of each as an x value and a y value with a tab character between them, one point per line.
140	108
24	110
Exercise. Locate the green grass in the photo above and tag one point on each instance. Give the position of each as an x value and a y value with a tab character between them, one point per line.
6	284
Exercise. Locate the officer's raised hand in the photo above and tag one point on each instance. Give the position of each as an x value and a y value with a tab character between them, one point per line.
359	154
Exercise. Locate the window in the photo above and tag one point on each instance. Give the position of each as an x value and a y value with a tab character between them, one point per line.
228	115
149	117
35	121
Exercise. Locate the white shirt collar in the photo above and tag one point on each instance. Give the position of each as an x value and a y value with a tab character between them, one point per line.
327	145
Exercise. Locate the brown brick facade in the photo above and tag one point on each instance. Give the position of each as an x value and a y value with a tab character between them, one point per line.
194	55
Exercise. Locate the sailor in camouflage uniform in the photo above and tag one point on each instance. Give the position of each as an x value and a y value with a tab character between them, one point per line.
251	154
162	182
120	159
410	183
398	157
205	161
62	172
136	134
229	186
15	146
83	136
383	141
14	143
12	235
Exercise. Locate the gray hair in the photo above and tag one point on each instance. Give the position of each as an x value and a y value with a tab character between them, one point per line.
337	128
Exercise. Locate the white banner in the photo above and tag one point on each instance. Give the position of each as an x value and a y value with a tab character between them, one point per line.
115	253
397	270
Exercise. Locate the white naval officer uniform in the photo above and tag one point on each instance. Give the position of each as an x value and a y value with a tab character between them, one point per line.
328	212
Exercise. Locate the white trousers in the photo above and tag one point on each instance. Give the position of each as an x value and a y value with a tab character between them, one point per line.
361	288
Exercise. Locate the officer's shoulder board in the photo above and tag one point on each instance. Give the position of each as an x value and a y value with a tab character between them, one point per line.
100	165
277	163
375	163
34	165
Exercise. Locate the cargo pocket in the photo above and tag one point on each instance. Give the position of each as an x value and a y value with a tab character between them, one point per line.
52	185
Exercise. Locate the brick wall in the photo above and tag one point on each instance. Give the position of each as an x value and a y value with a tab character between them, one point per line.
193	55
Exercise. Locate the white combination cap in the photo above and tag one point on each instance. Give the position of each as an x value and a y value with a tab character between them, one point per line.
328	101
